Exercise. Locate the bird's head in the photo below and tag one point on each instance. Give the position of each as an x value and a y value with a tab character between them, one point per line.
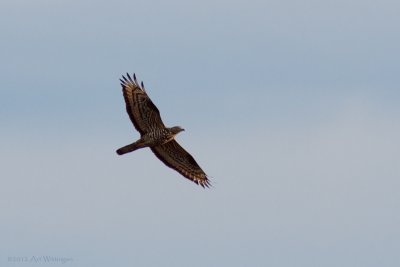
176	129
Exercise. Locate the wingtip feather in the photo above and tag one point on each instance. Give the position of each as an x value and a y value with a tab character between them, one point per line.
129	76
205	184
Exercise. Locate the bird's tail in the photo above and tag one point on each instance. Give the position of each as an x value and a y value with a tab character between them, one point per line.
128	148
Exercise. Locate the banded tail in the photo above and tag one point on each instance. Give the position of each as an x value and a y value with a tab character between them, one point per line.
129	148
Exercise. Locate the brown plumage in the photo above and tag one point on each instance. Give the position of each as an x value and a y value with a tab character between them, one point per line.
146	118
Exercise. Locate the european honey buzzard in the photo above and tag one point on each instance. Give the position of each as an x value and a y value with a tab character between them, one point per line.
146	118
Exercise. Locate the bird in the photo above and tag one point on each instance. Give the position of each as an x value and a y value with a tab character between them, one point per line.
146	118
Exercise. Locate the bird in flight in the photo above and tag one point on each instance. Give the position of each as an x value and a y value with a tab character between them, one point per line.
146	118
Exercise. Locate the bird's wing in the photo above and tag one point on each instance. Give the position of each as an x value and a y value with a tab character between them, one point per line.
175	157
141	110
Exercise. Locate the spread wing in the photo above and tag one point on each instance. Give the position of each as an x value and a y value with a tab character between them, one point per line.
141	110
175	157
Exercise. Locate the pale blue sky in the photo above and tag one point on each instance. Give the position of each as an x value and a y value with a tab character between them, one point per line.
292	108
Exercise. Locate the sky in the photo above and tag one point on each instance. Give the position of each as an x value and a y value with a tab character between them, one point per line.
291	107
